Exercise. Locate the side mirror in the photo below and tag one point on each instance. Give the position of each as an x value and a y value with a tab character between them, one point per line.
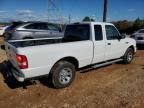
117	37
123	36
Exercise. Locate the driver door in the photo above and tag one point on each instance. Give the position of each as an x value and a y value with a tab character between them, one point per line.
113	44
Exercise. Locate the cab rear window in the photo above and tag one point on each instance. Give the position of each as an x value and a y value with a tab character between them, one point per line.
80	32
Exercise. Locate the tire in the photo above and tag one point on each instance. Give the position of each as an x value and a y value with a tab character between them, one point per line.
62	74
128	57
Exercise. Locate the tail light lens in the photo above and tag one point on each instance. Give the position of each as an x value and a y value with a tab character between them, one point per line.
22	61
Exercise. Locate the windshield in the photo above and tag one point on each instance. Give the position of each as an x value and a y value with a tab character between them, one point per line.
78	32
141	31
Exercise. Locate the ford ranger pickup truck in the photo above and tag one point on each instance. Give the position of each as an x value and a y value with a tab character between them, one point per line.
84	44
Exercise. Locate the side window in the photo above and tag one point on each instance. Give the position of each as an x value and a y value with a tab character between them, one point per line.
111	32
37	26
98	32
42	26
31	26
52	27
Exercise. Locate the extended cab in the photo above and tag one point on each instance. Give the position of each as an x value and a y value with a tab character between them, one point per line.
84	44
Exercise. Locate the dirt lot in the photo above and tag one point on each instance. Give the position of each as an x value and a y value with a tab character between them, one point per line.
113	86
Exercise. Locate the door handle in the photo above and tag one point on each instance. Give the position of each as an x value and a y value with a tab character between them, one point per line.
127	42
109	43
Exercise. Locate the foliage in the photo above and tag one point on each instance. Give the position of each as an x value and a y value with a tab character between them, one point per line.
129	27
4	23
87	18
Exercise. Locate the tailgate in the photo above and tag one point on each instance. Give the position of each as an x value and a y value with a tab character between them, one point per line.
11	52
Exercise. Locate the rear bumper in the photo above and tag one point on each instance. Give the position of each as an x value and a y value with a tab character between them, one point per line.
21	77
27	74
17	75
13	73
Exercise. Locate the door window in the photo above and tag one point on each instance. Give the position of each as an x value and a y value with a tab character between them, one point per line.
111	32
53	27
37	26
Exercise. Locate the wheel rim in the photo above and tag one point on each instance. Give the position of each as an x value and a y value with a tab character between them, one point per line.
65	76
130	56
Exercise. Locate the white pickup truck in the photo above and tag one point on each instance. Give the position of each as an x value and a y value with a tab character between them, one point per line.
84	44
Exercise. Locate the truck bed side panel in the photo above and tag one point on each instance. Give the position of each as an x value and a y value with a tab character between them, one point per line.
42	58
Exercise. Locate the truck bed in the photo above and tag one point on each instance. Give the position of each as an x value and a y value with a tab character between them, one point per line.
42	41
35	42
44	54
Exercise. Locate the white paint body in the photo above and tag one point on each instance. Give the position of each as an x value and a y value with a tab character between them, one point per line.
42	58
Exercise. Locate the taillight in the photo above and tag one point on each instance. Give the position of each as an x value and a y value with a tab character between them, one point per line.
22	61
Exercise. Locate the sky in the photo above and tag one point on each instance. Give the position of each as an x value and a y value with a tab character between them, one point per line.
75	9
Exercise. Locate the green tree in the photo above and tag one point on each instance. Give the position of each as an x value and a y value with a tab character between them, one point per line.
129	27
138	24
124	26
87	18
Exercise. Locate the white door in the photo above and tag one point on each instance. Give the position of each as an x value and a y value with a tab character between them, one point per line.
99	44
113	44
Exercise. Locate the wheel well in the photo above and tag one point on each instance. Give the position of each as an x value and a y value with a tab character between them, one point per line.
132	47
72	60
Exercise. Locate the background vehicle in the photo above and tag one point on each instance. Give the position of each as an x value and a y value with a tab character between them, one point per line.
84	44
139	37
2	30
32	30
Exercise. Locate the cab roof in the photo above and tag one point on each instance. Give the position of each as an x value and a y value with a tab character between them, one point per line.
93	23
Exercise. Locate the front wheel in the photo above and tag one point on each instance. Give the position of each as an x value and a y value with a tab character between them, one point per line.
128	57
62	74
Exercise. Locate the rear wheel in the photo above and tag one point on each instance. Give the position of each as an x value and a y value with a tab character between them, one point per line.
128	57
62	74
